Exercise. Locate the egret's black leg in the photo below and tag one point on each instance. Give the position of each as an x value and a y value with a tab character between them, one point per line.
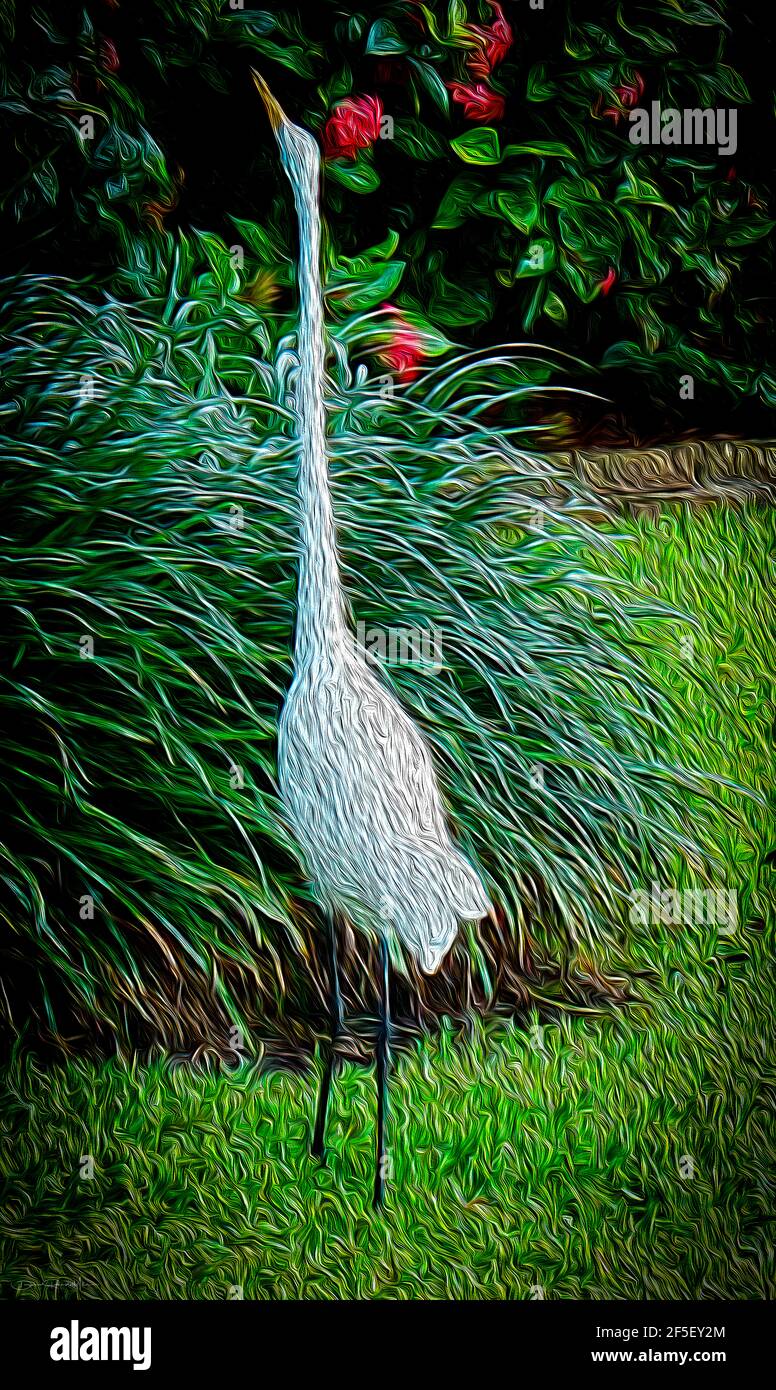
336	1028
383	1058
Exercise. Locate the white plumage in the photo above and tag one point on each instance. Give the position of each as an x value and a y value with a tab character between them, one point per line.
356	775
363	802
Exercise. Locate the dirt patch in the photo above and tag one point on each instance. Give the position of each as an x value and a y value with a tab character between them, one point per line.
694	470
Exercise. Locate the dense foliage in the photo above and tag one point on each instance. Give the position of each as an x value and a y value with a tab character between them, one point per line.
148	599
149	887
479	174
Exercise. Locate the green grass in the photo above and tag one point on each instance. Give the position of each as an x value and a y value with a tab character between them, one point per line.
522	1158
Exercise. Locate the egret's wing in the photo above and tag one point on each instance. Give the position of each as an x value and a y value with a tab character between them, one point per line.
398	770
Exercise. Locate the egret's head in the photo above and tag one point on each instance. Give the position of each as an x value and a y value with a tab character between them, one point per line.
299	152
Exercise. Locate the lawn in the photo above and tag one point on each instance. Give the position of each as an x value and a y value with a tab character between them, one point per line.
621	1154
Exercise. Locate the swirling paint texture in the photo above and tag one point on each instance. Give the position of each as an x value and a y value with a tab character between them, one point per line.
153	457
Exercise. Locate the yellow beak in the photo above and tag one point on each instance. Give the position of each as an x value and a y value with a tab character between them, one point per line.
275	112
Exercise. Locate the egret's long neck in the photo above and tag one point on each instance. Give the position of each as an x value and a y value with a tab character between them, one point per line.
320	604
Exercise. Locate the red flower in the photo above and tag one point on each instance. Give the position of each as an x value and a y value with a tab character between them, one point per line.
630	95
608	281
479	102
353	125
493	42
403	352
109	58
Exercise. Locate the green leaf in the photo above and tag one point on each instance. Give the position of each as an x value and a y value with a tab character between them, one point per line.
415	139
430	79
544	148
361	283
580	279
359	175
747	231
592	229
458	202
219	260
384	38
554	308
521	208
298	57
356	26
639	190
731	84
535	305
652	266
564	191
456	16
340	85
539	259
480	146
258	241
516	201
458	305
384	250
537	86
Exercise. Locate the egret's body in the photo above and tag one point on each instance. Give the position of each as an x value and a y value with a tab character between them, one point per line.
362	799
356	775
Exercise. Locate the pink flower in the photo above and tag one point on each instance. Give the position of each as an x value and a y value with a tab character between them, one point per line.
493	43
479	102
608	281
403	352
353	125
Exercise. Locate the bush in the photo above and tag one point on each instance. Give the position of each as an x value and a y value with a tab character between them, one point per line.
511	195
150	887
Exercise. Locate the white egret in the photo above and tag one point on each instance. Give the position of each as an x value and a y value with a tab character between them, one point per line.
356	775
